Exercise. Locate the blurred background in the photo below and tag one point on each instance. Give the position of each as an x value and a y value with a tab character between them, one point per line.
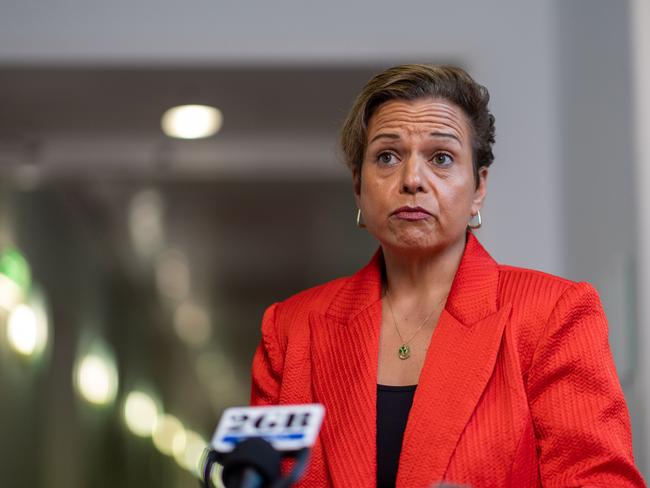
135	266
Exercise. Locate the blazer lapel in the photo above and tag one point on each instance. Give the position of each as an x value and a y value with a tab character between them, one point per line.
345	349
459	363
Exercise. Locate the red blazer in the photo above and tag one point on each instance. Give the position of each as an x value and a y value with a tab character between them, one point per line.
518	388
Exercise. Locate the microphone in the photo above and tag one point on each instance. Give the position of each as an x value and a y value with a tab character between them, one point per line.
250	443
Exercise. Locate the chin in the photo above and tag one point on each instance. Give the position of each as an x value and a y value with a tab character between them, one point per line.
413	247
420	245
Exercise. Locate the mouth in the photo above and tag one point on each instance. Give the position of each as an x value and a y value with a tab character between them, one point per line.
411	213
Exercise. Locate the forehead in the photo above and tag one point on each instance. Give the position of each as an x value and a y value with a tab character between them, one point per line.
423	115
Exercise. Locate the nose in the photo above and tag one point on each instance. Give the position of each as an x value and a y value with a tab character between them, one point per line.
412	179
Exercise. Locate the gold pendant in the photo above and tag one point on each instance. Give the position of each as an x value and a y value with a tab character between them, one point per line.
404	351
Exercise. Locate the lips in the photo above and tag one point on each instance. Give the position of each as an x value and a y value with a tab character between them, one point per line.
411	213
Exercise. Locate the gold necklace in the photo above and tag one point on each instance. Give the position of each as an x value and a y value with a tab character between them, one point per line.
404	351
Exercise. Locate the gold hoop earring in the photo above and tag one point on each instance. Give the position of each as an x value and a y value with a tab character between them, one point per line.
360	224
475	222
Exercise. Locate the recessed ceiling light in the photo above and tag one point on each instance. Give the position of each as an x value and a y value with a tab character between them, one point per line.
191	121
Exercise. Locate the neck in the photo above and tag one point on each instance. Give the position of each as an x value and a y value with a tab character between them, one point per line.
421	278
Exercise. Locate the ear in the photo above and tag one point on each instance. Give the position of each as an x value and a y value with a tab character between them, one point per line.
356	185
481	190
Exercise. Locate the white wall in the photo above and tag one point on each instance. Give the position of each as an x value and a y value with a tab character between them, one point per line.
640	55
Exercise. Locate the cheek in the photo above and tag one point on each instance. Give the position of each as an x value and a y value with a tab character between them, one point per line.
456	201
371	195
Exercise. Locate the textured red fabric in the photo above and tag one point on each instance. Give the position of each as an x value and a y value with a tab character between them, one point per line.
518	388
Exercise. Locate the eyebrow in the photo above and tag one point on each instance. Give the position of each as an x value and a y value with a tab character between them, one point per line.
392	136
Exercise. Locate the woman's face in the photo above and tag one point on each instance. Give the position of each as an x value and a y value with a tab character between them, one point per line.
416	190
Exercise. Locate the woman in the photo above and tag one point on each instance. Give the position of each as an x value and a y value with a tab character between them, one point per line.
434	362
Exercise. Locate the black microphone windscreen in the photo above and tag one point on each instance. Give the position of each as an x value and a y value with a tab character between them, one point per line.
255	453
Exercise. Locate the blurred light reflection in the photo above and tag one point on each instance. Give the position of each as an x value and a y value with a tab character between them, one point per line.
173	275
219	379
15	278
192	324
96	379
169	432
146	222
10	293
191	455
28	326
140	413
178	444
22	330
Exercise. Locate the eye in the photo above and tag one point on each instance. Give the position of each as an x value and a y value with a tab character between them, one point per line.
386	158
442	159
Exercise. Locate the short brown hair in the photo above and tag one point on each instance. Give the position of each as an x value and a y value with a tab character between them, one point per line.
412	82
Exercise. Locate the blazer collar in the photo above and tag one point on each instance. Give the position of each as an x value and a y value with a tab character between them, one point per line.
473	293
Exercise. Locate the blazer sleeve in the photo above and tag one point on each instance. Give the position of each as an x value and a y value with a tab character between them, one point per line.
581	420
267	363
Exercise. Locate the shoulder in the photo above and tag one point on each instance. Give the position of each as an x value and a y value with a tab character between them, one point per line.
291	315
521	284
338	299
527	287
314	299
539	299
538	293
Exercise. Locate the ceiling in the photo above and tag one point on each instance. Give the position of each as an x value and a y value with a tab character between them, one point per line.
74	122
39	101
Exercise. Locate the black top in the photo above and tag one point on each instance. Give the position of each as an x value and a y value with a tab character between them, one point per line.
393	406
